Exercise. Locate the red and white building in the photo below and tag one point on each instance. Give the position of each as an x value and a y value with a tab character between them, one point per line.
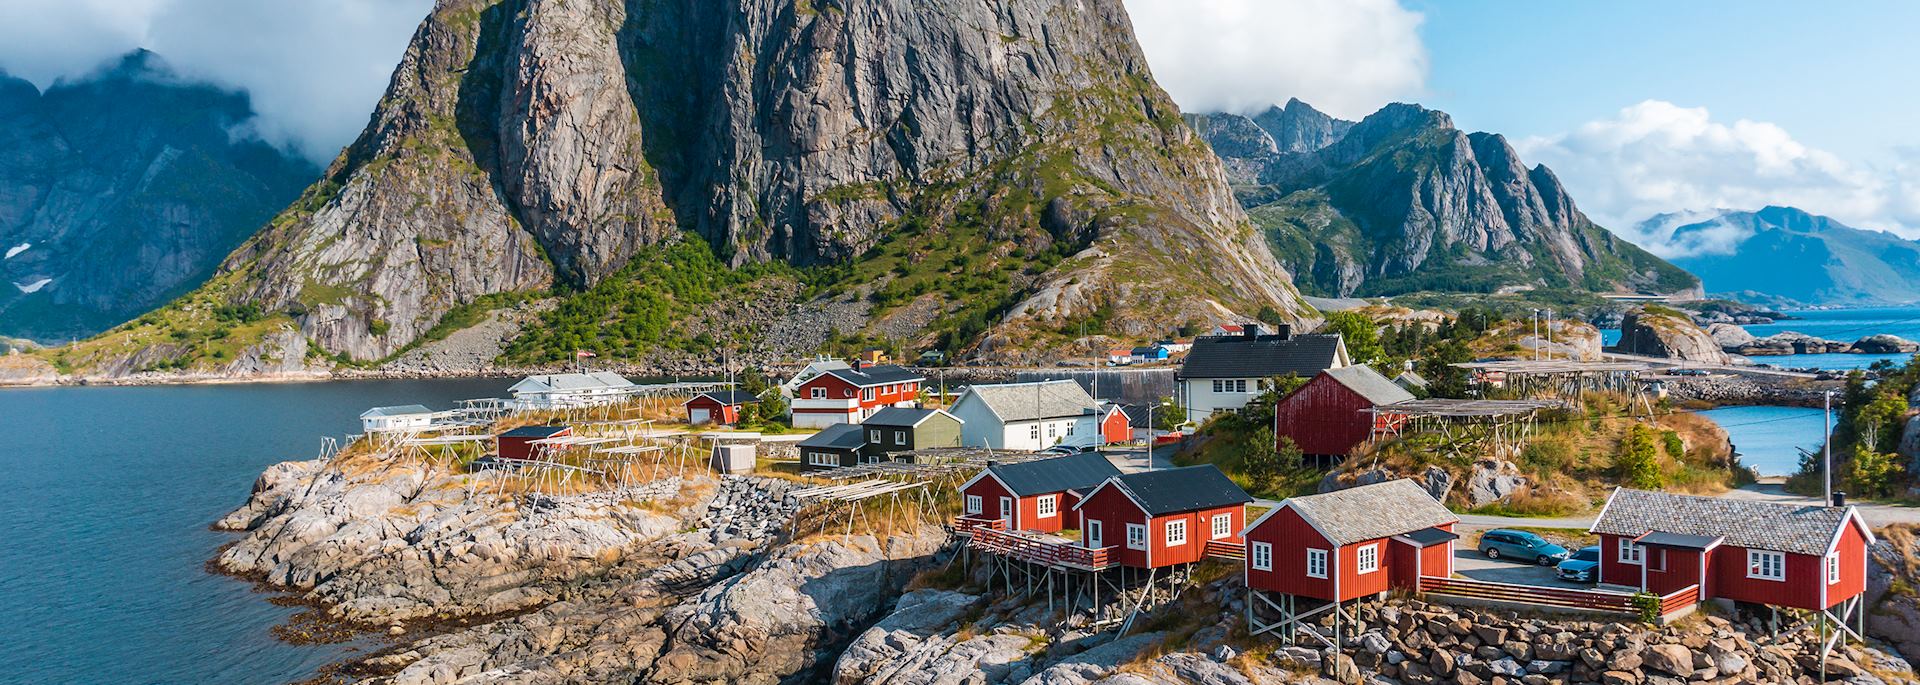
1155	519
852	394
1353	543
1115	426
525	442
718	407
1034	495
1770	553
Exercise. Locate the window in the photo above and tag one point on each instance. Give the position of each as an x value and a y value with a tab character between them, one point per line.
1176	533
1240	386
1222	525
974	505
1069	430
1766	565
1033	432
873	436
819	393
1367	559
1260	555
1629	552
1047	505
1217	385
1316	563
1136	536
866	394
900	438
823	459
1833	568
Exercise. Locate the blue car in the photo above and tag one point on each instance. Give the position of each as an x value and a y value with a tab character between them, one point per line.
1520	545
1582	567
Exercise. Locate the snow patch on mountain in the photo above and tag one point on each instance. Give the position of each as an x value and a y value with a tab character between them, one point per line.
34	287
17	249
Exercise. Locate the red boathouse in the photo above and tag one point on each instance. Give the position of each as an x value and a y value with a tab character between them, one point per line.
722	407
519	443
1034	495
1329	415
1353	543
1154	519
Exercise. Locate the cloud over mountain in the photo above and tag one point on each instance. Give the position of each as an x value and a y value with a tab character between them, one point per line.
1657	157
1347	57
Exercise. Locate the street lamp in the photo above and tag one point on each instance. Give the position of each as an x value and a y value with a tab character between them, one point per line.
1150	440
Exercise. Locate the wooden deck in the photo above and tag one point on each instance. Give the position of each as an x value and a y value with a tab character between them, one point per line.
1564	598
991	536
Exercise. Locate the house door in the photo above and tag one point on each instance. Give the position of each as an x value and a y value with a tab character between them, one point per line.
1006	510
701	415
1096	538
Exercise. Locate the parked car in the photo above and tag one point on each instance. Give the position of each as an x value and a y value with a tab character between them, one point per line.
1520	545
1067	450
1583	566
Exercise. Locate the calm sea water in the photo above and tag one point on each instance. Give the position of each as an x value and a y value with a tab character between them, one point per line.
1766	437
105	499
1846	325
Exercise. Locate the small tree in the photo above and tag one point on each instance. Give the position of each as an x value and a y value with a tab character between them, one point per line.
1168	415
1443	378
1360	333
1638	462
1873	473
1268	461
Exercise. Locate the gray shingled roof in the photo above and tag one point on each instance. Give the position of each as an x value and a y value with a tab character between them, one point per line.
1082	472
1371	512
1039	400
1240	357
904	417
837	436
1410	380
1796	528
1368	383
727	397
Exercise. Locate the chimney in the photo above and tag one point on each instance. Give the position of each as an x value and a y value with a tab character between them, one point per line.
1250	331
858	364
1839	498
1283	331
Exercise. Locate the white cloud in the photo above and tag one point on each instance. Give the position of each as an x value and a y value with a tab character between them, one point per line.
314	68
1657	157
1344	57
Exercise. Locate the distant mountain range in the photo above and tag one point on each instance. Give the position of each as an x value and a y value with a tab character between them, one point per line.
123	189
1403	201
1783	255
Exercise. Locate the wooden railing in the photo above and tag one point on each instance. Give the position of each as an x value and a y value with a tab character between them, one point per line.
1227	549
1027	547
967	524
1566	598
1679	599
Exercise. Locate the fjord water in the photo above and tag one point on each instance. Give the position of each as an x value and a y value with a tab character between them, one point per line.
105	499
1845	325
1766	437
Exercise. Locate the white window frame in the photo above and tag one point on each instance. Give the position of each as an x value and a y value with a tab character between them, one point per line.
873	436
1317	559
1833	568
1033	432
1217	386
1167	530
1096	534
1629	552
1137	536
1222	526
1366	559
822	458
1047	506
819	393
975	505
866	394
900	438
1260	556
1757	564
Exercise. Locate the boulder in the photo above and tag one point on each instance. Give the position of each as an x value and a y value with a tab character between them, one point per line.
1728	336
1674	659
1884	344
1661	332
1439	482
1493	480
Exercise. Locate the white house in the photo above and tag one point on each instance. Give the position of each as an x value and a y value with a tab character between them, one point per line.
1027	416
559	390
813	368
405	417
1223	373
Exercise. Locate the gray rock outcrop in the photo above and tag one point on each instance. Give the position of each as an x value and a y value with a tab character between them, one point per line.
1491	481
1662	332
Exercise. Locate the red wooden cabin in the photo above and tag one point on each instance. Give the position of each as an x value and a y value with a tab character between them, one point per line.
1778	554
519	442
1351	543
1153	519
1034	495
1114	425
852	394
722	407
1329	415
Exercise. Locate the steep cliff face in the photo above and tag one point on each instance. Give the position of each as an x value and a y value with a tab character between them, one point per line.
1403	201
528	143
122	189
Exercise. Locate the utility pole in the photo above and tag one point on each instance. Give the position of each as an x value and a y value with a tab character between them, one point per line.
1549	348
1536	334
1826	446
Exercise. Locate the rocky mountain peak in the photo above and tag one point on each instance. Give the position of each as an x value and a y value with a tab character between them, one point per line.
1298	127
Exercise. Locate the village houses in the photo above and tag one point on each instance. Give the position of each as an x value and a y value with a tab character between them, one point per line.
1029	416
852	394
1224	373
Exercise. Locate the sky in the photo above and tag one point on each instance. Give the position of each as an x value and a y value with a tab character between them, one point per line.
1640	107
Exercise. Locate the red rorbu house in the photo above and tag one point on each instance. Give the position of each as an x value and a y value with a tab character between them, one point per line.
1155	519
1331	414
1766	553
1115	427
852	394
1033	495
721	407
523	442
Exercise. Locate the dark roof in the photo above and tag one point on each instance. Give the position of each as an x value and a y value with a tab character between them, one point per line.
1183	489
1680	540
728	397
1368	383
1240	357
1136	415
1797	528
875	375
1410	380
900	416
534	432
1371	512
837	436
1083	471
1428	537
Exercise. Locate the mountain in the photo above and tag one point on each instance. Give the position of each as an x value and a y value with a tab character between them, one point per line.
1403	201
1011	164
123	189
1783	253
